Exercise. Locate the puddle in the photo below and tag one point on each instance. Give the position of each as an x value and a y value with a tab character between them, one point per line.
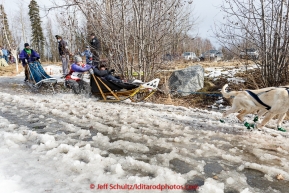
180	166
212	169
197	181
154	150
256	179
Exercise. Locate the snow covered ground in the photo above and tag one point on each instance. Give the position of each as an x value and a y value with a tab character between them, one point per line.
66	143
229	72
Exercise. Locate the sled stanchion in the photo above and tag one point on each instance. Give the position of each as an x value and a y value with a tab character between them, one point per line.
52	88
134	93
30	74
102	94
109	89
149	95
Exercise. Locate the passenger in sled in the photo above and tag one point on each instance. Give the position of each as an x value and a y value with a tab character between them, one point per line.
102	71
103	83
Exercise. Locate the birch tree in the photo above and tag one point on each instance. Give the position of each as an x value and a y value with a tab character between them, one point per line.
135	34
7	37
260	24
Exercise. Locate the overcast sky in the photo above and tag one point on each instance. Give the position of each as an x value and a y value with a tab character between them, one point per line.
207	11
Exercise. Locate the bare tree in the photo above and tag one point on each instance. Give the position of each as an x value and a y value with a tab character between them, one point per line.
51	44
196	44
135	34
72	27
24	22
262	25
7	36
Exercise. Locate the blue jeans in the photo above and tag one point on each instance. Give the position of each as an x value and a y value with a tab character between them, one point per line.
6	58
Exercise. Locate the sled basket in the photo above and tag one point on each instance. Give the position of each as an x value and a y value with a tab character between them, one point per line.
111	91
37	76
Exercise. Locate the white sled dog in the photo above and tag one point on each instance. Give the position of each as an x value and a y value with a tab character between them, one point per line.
271	100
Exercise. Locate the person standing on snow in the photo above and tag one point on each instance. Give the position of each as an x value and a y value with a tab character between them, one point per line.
95	48
2	60
27	56
88	55
64	54
5	54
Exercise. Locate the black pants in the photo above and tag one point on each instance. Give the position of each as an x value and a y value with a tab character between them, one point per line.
26	72
95	56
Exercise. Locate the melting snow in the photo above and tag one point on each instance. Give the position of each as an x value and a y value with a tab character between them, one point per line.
69	143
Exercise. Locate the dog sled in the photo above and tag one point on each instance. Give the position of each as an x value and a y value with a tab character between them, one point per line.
112	91
37	77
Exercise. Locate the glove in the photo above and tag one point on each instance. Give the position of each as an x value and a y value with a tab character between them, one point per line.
91	71
37	58
112	70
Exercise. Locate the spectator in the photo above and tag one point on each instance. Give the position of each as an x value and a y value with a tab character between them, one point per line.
27	56
11	58
2	60
64	54
95	48
5	54
88	55
1	53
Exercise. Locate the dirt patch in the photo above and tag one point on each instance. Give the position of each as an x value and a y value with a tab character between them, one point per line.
207	96
10	70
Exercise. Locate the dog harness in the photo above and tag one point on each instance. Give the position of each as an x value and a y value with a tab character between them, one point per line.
255	96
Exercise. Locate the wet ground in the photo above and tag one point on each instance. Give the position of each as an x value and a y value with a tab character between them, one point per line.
190	142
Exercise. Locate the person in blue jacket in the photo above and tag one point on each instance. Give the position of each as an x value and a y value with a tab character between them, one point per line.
27	56
5	54
88	55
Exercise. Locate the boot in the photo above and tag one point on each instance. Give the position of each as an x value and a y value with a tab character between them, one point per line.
248	125
281	129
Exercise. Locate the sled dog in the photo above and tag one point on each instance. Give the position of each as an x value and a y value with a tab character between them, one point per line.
270	100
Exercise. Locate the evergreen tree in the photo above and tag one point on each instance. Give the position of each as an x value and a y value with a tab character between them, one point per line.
4	28
37	33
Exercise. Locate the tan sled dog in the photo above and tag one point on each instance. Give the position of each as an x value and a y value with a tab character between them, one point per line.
271	100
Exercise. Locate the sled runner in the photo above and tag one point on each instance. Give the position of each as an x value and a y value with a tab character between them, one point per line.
37	77
112	91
